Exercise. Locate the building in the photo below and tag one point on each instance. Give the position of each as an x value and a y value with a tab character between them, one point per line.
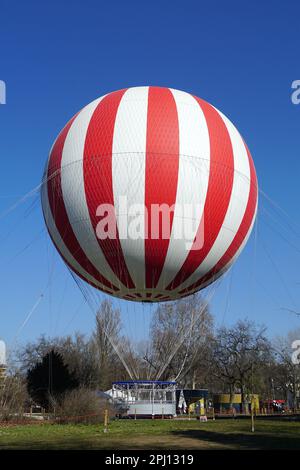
224	402
145	398
191	400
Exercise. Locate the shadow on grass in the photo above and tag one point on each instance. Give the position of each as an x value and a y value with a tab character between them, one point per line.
257	440
209	436
70	444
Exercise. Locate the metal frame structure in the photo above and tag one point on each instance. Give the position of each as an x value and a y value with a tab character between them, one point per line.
145	398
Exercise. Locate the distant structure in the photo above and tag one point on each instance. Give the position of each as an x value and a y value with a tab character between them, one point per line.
2	360
145	398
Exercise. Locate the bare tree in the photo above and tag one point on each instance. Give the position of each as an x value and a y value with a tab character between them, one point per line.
13	397
237	353
109	345
287	373
33	352
78	353
180	332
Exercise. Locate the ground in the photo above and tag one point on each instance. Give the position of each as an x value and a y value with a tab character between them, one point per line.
155	435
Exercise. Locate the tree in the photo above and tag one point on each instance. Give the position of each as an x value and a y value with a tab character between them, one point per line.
33	353
180	333
49	379
236	355
107	341
95	361
13	396
78	354
287	372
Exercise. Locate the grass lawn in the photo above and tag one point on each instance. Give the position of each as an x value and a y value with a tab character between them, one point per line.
155	435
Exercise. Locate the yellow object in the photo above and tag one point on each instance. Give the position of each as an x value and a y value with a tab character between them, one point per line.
192	408
202	409
255	403
224	398
105	420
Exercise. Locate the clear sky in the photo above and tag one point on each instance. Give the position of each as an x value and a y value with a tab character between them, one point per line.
57	56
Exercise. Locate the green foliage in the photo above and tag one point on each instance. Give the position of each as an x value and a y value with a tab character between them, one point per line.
156	434
49	379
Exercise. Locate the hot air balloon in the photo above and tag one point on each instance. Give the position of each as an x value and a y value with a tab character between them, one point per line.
122	161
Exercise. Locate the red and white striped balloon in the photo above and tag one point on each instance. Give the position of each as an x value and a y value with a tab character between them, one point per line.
154	146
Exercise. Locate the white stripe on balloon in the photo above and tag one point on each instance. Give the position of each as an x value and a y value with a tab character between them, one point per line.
74	194
128	176
236	208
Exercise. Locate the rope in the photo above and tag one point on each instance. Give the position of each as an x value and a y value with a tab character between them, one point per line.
184	336
36	304
114	346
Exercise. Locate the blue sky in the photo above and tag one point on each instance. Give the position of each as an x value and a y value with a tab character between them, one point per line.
58	56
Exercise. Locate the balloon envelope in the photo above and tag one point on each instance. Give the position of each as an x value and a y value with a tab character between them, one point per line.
149	193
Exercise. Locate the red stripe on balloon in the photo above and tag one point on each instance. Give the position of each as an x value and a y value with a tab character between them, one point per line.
97	169
218	194
162	162
59	212
239	236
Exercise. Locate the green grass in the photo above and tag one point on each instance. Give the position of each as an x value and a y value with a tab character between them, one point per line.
155	435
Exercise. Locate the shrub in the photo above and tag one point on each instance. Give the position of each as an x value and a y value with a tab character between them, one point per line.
13	396
82	405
